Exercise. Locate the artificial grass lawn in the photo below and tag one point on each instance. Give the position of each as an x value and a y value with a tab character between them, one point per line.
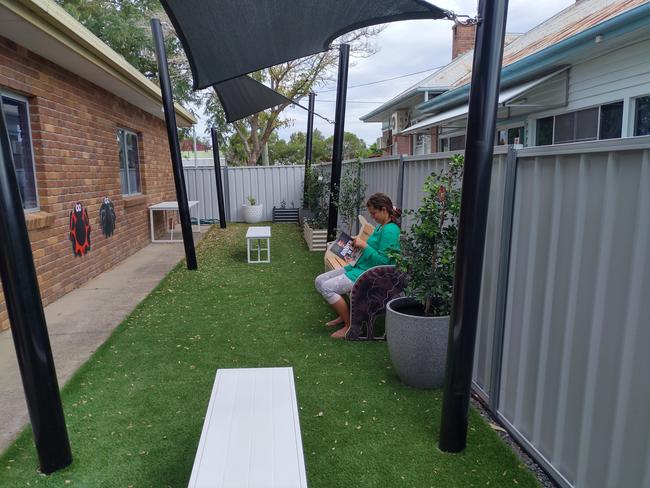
135	410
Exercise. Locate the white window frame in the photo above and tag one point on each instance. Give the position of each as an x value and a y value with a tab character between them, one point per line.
25	100
512	125
137	138
449	136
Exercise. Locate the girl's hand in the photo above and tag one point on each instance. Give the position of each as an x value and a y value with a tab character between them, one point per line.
360	243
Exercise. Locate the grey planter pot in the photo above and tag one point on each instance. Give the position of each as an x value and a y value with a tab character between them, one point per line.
417	345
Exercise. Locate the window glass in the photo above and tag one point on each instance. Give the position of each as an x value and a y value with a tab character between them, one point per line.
642	121
129	162
16	114
611	120
545	131
564	128
444	145
457	143
516	135
586	125
502	137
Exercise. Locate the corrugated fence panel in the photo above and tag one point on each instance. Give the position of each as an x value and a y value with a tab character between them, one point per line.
270	185
201	185
574	379
491	258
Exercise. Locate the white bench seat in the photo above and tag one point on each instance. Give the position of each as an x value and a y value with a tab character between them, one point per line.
251	434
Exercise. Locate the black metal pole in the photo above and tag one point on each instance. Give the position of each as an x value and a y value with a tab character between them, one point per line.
174	146
28	326
339	134
217	173
481	124
308	147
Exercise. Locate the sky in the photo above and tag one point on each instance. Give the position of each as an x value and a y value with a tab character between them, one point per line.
404	48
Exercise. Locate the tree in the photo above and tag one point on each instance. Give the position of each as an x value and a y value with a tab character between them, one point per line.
124	26
293	150
293	79
353	147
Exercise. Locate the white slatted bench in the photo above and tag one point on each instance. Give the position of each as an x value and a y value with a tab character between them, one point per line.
251	434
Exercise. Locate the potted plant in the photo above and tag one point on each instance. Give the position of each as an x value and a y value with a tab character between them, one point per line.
314	216
417	326
284	214
253	213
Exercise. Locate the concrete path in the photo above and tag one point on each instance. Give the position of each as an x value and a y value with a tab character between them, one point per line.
80	322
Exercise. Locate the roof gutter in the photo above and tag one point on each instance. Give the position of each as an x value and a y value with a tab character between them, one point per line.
548	58
50	18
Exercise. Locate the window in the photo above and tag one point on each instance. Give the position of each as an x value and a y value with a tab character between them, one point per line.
421	144
611	121
545	131
454	143
642	119
604	122
16	112
513	135
129	162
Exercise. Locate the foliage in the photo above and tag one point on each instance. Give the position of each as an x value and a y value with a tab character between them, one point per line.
353	147
293	150
317	198
374	151
251	200
124	26
295	80
429	247
352	194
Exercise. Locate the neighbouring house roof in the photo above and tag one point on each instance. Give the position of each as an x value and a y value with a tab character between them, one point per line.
438	82
49	31
568	35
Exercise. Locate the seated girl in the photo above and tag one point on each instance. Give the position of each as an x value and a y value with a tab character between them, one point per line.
375	252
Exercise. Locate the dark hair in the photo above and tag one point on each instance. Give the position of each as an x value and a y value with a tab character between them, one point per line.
382	201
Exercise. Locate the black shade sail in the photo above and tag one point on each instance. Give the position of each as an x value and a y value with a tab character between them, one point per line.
243	96
224	39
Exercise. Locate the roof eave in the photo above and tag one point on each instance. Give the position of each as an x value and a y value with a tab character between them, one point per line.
546	59
53	20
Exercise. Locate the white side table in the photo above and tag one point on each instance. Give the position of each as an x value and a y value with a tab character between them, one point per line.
258	235
170	207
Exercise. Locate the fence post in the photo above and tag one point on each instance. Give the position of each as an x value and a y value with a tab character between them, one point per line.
400	183
505	246
226	190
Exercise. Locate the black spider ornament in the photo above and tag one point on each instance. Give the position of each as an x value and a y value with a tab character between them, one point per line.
107	217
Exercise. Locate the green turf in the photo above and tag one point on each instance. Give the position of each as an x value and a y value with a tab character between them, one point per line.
135	410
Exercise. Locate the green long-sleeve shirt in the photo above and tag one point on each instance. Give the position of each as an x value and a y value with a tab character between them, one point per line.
384	238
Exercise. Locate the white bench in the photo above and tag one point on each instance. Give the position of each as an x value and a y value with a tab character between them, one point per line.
258	234
251	434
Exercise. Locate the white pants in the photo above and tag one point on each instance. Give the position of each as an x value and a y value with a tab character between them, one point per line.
333	284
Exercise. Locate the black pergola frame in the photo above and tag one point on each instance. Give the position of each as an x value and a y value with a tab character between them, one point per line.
22	293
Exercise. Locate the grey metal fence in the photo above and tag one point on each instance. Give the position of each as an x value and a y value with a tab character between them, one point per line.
564	319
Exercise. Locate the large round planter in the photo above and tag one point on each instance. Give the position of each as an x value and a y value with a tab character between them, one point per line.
417	345
253	213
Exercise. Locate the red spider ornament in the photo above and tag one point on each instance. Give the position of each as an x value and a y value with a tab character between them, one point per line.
79	230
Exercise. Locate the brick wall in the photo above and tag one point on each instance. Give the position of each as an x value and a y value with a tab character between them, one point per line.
434	140
463	39
404	145
76	155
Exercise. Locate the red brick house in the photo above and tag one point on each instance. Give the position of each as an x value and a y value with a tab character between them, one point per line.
83	125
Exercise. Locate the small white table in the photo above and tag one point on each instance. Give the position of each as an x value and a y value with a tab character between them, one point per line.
258	234
170	207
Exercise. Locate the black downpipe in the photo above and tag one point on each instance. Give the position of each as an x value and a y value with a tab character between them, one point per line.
174	146
308	147
481	126
28	326
217	173
339	134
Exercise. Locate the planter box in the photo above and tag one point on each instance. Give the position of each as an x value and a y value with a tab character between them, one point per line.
286	215
316	238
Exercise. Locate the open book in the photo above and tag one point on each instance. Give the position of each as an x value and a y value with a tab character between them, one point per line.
343	247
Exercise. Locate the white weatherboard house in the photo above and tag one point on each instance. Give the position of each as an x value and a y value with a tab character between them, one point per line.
582	75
